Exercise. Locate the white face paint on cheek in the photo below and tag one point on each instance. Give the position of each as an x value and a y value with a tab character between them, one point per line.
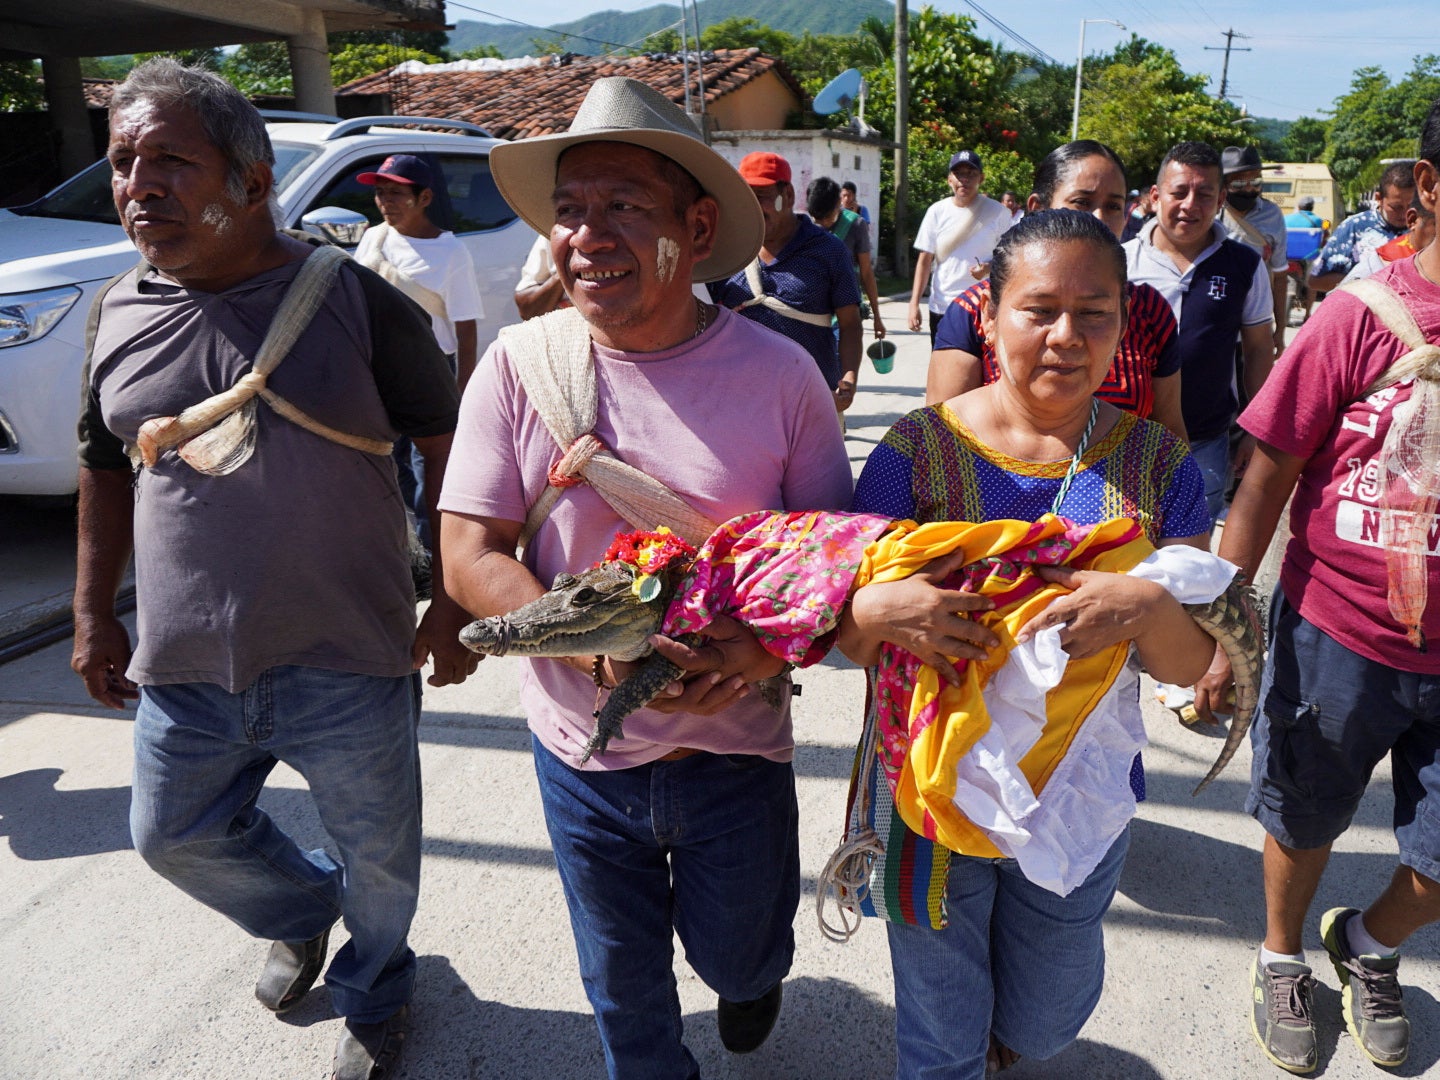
667	258
217	218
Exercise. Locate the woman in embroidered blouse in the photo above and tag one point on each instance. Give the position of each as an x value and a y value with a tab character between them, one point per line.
1018	969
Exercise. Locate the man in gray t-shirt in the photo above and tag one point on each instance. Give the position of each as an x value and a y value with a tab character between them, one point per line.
276	618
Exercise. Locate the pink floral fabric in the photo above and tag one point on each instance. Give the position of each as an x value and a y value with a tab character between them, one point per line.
785	575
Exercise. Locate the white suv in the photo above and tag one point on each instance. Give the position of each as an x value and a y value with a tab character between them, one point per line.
56	253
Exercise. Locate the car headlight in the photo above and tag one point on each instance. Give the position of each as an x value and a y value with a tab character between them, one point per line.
29	316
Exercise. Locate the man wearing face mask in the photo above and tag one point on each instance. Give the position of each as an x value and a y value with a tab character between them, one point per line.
1253	220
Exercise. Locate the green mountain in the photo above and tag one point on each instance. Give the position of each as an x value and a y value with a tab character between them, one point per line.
622	27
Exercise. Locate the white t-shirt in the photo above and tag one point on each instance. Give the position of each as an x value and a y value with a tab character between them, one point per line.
951	276
442	265
538	265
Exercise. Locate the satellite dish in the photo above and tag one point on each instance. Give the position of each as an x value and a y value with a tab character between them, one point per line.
839	93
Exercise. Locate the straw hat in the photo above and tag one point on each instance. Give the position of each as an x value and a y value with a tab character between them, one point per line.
626	111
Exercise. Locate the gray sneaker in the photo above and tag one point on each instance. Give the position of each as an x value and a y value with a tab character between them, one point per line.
1370	995
1280	1014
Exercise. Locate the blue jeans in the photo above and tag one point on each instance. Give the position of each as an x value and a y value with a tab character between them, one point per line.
706	847
1213	457
201	758
1015	960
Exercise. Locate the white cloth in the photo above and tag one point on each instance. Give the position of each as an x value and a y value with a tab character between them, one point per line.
441	264
1060	837
951	276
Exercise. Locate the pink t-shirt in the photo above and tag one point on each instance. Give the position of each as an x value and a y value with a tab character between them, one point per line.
1310	406
737	420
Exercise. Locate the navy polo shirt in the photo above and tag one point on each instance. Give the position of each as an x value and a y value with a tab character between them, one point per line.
1221	293
811	273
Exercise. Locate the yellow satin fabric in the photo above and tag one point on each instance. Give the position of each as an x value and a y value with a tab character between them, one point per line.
924	793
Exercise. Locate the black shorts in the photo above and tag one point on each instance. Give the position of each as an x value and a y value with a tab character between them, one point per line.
1328	717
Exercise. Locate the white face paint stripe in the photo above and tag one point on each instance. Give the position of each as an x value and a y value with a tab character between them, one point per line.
667	258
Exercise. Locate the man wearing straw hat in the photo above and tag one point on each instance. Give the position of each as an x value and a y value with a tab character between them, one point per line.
642	407
259	383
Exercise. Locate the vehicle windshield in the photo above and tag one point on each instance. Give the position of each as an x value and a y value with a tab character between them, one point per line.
86	196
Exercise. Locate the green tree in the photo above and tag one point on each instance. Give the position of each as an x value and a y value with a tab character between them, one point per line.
434	42
20	88
1141	109
1374	116
259	67
1305	141
356	61
481	52
106	67
744	33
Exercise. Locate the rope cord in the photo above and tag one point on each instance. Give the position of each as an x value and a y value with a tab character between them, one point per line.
846	876
1075	461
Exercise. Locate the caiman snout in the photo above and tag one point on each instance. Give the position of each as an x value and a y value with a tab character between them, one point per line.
489	637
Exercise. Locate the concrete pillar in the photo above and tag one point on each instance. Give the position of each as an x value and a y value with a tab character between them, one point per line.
310	65
65	99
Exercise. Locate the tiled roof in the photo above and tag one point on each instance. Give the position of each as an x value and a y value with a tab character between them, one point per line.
97	92
543	99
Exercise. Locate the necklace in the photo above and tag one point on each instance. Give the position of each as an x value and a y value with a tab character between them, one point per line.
1075	461
1421	271
702	316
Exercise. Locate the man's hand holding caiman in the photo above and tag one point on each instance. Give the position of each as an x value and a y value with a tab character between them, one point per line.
717	670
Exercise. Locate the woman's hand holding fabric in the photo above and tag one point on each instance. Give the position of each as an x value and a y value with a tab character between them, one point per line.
919	616
1104	609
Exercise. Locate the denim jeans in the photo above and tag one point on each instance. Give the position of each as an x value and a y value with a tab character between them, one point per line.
706	847
1015	960
1213	457
201	757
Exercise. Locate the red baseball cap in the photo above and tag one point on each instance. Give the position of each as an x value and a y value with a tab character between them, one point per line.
761	169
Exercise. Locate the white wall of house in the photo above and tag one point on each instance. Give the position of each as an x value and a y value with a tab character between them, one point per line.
836	154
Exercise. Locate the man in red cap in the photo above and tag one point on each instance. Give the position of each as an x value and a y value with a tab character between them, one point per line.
801	281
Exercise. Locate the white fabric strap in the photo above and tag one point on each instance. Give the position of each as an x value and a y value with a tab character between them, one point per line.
552	356
373	256
966	222
1253	235
758	296
217	435
1423	359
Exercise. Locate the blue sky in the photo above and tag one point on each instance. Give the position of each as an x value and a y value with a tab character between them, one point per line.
1302	58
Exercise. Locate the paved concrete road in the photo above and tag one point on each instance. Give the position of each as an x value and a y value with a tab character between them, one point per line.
111	972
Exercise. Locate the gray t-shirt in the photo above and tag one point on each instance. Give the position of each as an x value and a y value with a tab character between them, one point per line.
300	555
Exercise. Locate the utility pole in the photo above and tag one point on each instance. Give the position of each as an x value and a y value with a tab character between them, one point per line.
1230	45
902	136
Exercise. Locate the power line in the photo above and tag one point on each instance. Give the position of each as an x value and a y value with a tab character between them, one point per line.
1031	48
1197	6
